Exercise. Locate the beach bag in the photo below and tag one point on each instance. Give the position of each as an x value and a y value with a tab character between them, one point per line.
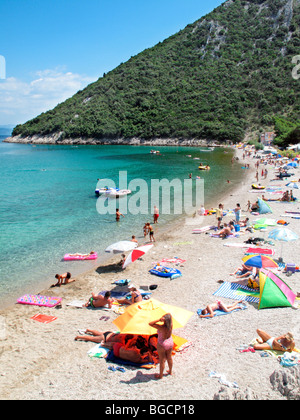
252	284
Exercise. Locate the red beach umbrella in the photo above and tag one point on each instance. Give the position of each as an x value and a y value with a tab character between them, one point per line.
137	253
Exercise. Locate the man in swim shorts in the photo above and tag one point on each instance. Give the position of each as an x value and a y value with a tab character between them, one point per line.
98	301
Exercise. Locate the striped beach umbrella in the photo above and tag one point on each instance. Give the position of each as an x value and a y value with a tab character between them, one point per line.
259	261
137	253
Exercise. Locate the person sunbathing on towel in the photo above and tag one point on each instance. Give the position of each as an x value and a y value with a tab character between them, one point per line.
243	272
98	301
283	343
226	231
209	311
136	296
101	337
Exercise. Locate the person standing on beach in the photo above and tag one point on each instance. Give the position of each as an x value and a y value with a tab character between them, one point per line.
156	215
151	232
145	229
165	343
219	214
237	212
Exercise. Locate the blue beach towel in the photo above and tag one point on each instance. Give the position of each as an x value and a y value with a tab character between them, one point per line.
231	291
220	313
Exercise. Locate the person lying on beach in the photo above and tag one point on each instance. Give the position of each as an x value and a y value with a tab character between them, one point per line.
101	337
98	301
63	279
243	272
135	296
209	311
283	343
81	255
165	343
131	350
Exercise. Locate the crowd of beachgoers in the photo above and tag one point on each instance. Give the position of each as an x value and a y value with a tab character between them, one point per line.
219	262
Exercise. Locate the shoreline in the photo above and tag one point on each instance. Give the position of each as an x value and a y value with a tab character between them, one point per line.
175	224
41	285
43	361
55	140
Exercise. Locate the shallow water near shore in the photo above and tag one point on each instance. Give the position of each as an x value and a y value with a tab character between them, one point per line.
48	205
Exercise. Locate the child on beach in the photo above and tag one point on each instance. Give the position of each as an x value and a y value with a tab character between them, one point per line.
63	279
219	214
151	232
145	229
165	343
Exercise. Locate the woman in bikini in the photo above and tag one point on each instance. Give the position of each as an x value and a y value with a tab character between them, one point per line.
209	311
283	343
165	343
100	337
135	296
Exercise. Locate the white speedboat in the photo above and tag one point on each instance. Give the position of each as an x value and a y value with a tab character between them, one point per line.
116	193
100	191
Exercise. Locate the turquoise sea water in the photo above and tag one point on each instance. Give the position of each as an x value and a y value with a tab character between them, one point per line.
48	205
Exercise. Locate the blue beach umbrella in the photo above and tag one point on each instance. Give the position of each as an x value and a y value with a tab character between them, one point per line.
283	235
292	165
293	185
259	261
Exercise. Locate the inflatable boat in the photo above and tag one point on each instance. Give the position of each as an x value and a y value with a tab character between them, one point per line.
162	271
111	192
204	168
257	187
80	257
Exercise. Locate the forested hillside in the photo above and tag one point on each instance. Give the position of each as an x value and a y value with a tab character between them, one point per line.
219	78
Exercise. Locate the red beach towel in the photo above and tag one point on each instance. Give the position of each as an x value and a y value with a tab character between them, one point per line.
44	319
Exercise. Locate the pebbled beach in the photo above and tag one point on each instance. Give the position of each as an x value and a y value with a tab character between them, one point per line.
43	362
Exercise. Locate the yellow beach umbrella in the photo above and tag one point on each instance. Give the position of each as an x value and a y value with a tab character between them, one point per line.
136	318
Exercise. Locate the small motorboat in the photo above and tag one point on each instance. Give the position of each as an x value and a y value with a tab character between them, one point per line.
116	193
99	191
111	192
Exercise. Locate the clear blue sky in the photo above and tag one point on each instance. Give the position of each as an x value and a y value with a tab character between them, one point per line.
53	48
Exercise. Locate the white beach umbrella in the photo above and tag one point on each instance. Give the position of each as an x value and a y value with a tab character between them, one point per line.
121	246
